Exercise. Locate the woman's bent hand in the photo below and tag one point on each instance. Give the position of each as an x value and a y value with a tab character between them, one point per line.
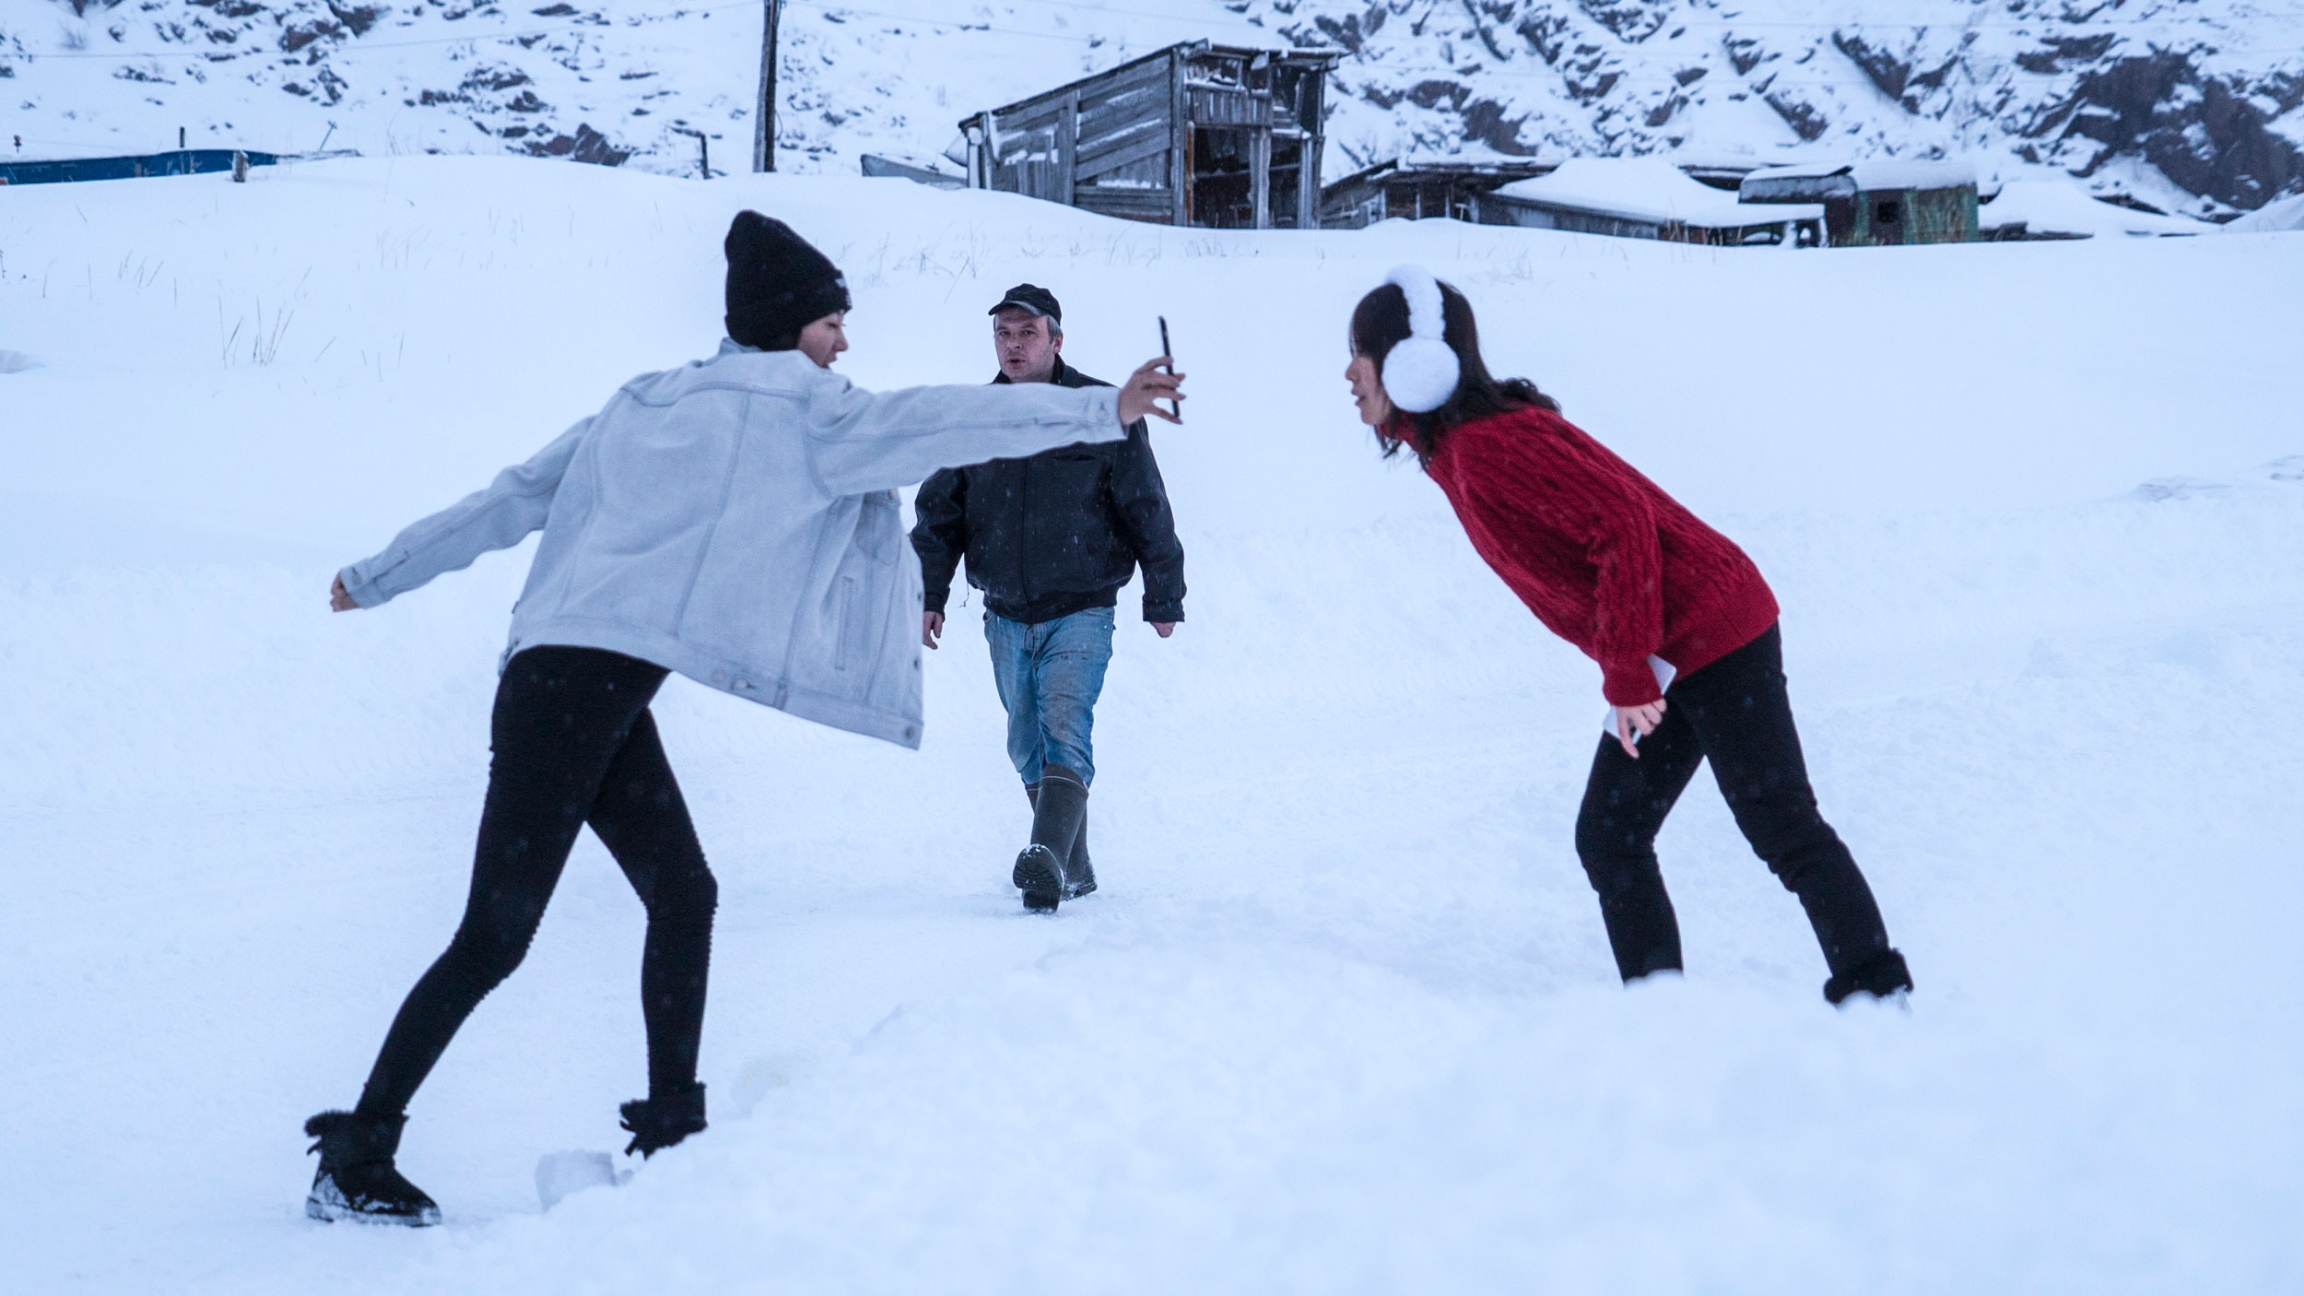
1149	384
1640	720
338	600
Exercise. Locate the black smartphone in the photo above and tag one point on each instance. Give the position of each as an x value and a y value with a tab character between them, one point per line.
1174	407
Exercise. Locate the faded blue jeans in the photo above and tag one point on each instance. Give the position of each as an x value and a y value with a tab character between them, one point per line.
1049	676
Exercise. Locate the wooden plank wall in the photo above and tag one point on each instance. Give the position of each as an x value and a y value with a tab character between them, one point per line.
1104	144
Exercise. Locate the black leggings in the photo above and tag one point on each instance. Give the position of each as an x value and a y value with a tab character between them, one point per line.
573	744
1736	712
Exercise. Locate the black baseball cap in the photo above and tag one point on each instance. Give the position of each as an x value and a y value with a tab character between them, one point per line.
1033	298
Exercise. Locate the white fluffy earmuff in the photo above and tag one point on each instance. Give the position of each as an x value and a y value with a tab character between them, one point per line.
1420	371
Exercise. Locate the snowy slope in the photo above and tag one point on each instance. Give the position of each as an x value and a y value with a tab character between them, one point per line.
2190	104
1342	1018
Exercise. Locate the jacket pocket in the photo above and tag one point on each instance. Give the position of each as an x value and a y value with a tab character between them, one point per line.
848	632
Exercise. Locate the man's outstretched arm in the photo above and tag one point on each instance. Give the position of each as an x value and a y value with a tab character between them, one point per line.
940	537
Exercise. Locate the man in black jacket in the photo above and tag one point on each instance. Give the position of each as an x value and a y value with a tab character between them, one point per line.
1050	540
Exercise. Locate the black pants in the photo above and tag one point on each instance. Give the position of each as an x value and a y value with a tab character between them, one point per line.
1736	713
573	744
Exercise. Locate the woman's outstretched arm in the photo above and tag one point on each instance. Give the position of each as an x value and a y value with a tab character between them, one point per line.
498	517
865	441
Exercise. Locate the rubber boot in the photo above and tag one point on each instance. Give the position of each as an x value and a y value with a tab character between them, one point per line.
356	1179
1882	975
1056	816
661	1121
1079	871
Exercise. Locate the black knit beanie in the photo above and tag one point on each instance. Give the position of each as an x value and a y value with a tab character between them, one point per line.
777	284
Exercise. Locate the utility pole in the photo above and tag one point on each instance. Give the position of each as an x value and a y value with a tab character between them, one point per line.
764	120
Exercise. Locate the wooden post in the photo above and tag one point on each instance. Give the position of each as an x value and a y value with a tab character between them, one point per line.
1260	177
239	167
1179	143
764	118
1315	141
1067	148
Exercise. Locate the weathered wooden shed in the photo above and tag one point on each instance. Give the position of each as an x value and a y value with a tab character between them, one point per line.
1195	134
1416	190
1881	203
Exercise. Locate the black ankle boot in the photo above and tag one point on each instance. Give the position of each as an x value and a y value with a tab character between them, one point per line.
1880	976
1056	815
356	1179
661	1121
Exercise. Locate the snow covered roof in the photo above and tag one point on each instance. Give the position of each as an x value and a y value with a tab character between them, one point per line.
1882	173
1647	189
2051	206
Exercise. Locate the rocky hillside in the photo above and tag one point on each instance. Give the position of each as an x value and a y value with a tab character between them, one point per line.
2187	101
2187	104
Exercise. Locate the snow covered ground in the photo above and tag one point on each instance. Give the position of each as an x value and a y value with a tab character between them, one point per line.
1342	1018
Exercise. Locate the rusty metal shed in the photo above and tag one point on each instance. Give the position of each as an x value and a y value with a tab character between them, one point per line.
1196	134
1882	203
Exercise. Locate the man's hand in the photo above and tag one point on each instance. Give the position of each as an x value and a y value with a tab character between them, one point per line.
1149	384
1641	720
931	626
1166	628
338	600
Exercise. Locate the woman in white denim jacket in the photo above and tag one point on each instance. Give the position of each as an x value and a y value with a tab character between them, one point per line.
734	520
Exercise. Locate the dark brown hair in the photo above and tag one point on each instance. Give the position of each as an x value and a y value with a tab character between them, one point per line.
1380	322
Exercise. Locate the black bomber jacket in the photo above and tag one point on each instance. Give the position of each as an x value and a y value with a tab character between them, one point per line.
1055	533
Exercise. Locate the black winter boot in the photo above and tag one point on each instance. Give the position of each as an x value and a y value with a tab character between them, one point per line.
1056	815
1880	976
356	1179
661	1121
1079	872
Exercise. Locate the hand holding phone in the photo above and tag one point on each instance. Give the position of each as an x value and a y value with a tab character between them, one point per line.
1140	396
1175	408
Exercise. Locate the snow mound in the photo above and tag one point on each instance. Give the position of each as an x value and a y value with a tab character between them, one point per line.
2060	207
2286	214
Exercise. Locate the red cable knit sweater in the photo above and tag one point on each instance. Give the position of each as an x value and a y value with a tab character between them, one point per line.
1599	553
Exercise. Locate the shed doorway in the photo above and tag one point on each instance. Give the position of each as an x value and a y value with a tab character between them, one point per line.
1222	167
1286	188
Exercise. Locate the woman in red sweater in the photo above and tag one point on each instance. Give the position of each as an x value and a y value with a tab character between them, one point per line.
1679	619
